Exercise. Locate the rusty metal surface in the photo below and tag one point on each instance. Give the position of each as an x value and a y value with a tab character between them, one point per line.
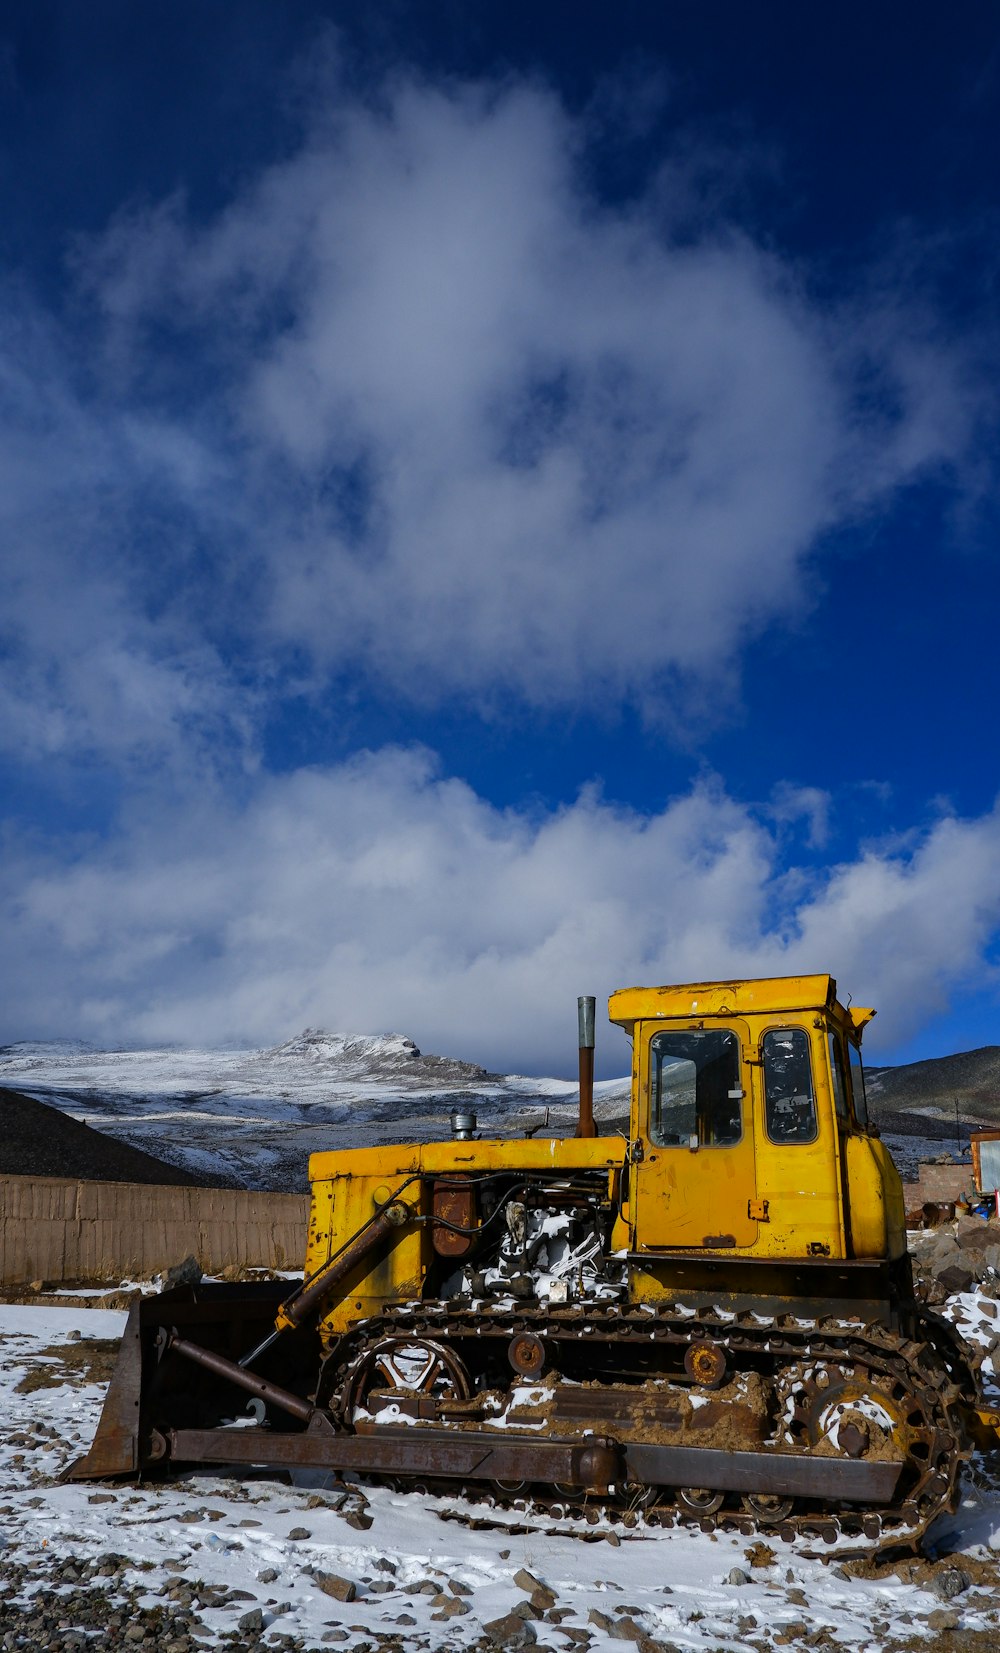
586	1126
146	1390
803	1475
453	1202
115	1447
420	1452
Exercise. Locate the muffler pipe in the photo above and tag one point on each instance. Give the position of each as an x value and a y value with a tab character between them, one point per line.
585	1013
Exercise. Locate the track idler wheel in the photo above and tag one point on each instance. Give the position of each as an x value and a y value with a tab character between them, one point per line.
407	1369
699	1500
768	1508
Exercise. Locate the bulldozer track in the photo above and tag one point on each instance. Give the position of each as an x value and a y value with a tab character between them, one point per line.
924	1374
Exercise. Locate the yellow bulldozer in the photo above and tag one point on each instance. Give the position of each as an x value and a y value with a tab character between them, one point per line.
711	1319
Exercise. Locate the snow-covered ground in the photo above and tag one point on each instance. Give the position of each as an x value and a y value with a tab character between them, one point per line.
262	1545
277	1106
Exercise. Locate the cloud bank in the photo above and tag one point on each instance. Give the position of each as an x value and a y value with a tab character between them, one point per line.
381	895
417	414
418	408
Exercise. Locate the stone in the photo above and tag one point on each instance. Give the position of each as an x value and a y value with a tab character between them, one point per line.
600	1620
297	1534
341	1589
626	1630
380	1587
955	1278
973	1234
949	1583
943	1618
358	1520
527	1581
511	1631
268	1575
254	1620
457	1588
188	1273
450	1607
542	1599
737	1576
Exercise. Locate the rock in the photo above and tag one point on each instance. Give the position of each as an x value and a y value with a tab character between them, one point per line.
602	1621
943	1618
457	1588
527	1581
297	1534
188	1273
613	1539
736	1575
341	1589
358	1520
450	1607
268	1575
254	1620
380	1587
949	1583
956	1278
626	1630
510	1631
543	1599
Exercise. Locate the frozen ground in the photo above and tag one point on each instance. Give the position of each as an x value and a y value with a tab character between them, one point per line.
186	1561
258	1115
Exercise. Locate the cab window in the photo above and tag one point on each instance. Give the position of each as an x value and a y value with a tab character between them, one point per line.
838	1079
858	1086
789	1098
695	1094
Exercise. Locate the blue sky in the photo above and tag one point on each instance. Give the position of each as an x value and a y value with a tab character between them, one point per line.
496	502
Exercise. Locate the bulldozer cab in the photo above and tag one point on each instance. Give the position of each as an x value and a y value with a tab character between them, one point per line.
749	1126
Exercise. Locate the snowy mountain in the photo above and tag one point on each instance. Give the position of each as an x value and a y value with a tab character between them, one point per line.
257	1115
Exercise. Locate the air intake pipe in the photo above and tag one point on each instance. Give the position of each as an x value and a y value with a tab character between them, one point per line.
585	1008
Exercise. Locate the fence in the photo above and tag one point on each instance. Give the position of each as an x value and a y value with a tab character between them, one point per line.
57	1230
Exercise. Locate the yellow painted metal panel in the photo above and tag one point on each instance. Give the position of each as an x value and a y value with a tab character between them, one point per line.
709	999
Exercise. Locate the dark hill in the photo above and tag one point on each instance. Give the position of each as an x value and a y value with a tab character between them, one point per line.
970	1079
38	1141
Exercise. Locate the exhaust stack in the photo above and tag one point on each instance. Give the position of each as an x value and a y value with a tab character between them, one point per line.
585	1007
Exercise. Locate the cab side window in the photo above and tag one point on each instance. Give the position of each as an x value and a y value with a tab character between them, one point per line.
789	1098
838	1080
858	1087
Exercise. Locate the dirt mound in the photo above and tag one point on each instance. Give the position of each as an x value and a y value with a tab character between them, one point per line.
39	1141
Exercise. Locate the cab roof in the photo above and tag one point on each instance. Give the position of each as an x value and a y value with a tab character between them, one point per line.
763	996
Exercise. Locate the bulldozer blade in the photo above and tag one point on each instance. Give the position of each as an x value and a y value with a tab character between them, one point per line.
149	1391
115	1448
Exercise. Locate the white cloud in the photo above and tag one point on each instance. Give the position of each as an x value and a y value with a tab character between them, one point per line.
382	895
491	436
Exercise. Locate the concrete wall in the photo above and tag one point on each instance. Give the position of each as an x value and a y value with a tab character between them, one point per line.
57	1230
